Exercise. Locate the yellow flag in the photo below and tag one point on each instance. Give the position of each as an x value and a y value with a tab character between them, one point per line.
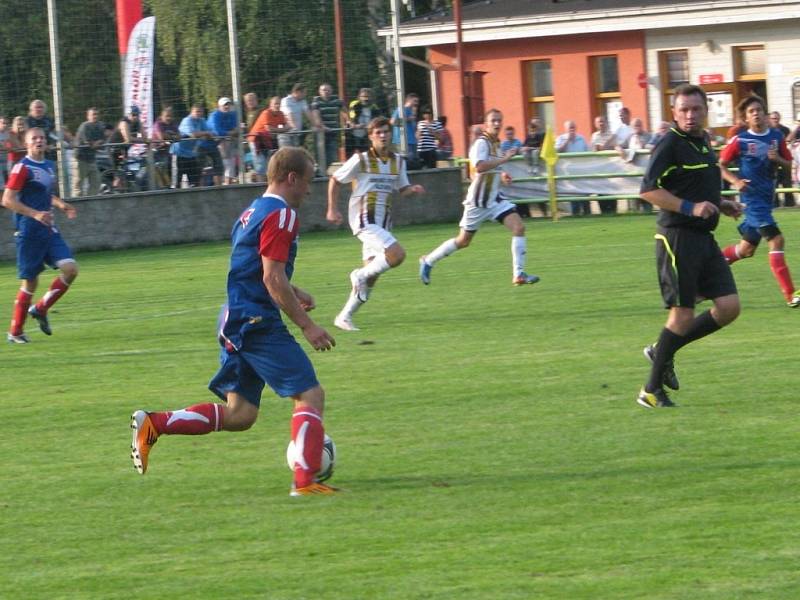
548	153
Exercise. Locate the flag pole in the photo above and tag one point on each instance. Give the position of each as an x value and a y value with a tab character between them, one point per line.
550	157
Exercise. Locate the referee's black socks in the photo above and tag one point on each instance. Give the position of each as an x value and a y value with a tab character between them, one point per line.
669	343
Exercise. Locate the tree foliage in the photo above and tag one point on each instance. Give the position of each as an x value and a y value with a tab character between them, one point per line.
90	72
280	43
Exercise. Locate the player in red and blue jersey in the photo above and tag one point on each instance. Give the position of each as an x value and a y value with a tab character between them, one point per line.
257	348
30	194
759	151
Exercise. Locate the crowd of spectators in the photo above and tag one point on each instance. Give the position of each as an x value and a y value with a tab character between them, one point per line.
628	137
196	151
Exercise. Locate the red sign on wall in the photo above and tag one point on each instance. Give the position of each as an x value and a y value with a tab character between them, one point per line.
641	79
712	78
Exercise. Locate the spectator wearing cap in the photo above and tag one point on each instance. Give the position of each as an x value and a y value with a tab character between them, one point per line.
224	124
127	132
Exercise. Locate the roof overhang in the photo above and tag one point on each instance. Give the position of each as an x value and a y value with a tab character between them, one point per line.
688	14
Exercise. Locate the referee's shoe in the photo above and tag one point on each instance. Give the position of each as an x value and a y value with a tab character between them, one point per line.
670	379
655	399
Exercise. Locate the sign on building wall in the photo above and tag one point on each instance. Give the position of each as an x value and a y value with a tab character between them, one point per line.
720	109
711	78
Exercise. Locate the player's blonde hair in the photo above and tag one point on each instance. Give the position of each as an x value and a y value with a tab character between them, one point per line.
289	160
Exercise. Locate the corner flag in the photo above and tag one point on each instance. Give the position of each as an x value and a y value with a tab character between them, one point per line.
548	153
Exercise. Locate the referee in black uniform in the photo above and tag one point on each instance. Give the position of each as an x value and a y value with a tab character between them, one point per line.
683	180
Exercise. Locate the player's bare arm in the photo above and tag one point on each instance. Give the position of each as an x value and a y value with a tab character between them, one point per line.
333	215
730	177
731	208
306	300
11	202
65	207
668	201
282	292
492	163
776	157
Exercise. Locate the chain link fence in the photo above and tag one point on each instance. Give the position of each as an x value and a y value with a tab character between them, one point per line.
199	106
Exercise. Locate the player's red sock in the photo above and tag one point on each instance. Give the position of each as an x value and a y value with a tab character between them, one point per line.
731	254
21	305
57	289
781	272
308	435
194	420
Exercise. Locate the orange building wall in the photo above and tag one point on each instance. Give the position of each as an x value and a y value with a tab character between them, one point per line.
504	84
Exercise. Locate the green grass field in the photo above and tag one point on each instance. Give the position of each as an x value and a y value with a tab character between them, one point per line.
488	439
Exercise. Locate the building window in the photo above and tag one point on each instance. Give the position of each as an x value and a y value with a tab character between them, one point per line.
750	63
473	86
676	68
607	98
673	70
540	91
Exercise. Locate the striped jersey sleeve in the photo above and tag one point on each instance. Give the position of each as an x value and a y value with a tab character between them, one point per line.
18	178
278	231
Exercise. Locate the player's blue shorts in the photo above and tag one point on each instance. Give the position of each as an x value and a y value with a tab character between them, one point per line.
34	252
758	222
757	212
270	356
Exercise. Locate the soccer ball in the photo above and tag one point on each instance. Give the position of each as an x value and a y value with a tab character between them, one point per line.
328	458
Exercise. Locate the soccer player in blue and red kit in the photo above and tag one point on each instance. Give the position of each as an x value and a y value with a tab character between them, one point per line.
257	348
759	151
30	194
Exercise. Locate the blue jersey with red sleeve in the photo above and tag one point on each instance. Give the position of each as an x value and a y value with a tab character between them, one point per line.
268	228
35	181
750	149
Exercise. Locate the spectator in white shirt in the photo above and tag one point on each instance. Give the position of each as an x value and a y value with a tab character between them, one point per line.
602	138
295	107
624	131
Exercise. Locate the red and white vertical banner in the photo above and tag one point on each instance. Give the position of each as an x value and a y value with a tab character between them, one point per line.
139	71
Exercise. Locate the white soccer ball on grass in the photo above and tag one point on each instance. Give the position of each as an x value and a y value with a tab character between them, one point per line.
328	458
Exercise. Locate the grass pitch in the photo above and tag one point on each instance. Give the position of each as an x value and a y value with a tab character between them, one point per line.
489	442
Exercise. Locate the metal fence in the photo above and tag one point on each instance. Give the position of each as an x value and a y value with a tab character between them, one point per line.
65	53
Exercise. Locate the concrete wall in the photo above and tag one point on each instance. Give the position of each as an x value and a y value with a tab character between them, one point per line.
206	214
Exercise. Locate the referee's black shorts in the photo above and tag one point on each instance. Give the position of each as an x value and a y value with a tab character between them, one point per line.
691	265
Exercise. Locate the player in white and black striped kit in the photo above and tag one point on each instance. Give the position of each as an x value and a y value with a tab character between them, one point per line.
484	201
376	175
